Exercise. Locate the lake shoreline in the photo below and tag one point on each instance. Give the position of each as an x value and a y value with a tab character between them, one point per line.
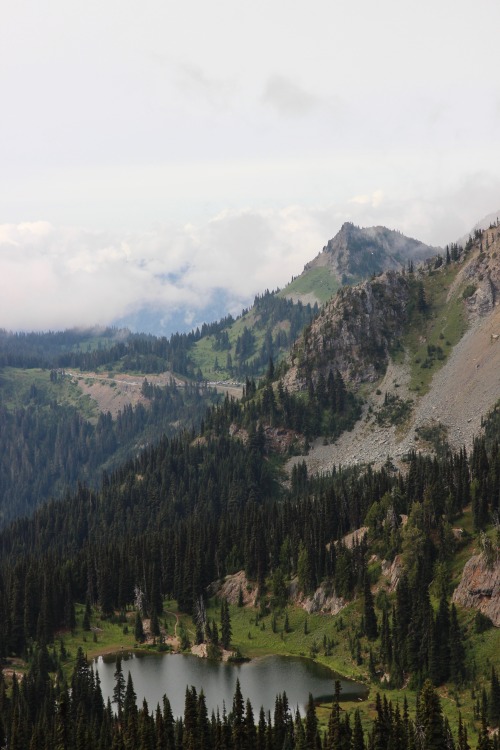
262	679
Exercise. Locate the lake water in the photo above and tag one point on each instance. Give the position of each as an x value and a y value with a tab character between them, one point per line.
260	679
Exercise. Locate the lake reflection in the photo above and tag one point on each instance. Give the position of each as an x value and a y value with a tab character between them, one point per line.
260	679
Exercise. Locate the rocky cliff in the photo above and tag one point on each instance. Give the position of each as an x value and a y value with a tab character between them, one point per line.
479	587
353	333
482	274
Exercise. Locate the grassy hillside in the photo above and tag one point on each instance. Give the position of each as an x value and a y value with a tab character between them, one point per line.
243	347
315	283
432	333
16	389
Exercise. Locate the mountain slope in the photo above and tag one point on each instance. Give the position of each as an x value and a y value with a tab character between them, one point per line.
354	254
442	376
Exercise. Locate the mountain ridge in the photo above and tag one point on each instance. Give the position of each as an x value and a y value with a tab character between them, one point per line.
352	255
417	377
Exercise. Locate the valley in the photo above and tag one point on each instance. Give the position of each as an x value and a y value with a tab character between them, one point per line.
201	522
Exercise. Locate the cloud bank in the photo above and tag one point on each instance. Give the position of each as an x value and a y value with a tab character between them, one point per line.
54	277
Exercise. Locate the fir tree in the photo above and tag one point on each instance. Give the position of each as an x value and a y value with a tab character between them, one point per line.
429	720
311	725
138	628
225	625
86	616
369	612
119	688
238	718
494	699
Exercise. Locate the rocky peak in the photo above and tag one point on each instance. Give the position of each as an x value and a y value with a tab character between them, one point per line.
353	332
356	253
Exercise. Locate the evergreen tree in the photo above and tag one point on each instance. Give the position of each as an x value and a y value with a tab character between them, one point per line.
304	572
494	699
358	740
457	651
311	725
225	625
203	727
238	718
119	688
250	730
370	618
138	628
429	720
421	300
462	741
87	616
155	624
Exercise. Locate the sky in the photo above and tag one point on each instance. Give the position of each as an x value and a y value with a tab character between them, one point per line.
170	155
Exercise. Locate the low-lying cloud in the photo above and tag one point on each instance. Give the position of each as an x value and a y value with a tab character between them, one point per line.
54	277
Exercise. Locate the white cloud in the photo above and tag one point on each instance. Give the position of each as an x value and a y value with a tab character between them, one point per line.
55	277
373	199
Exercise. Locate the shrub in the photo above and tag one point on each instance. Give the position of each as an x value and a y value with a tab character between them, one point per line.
468	291
482	623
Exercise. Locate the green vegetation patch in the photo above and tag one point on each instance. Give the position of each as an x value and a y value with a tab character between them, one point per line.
318	281
436	326
435	435
19	387
468	291
244	347
255	634
395	410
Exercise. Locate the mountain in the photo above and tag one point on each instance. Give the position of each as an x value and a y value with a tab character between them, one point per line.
422	348
381	550
355	254
486	222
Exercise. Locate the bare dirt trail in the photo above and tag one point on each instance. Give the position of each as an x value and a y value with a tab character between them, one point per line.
462	391
170	612
112	393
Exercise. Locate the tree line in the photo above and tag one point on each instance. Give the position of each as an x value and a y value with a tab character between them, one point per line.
72	715
47	447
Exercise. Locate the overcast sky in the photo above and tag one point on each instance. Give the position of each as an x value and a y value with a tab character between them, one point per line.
164	151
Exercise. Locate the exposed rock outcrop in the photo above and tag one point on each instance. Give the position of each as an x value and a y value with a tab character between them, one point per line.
229	589
355	537
353	333
483	274
479	588
393	571
355	253
322	601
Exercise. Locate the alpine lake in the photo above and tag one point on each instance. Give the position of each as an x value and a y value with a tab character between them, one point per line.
261	680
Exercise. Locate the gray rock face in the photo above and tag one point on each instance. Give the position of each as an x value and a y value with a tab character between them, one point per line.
484	275
479	588
356	253
353	333
321	602
393	571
